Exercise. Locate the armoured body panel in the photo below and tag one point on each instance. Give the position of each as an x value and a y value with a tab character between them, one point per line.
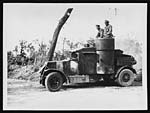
105	50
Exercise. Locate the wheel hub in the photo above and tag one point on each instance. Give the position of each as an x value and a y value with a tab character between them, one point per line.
126	77
54	82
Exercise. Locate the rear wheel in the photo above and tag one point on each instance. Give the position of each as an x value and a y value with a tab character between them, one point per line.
54	81
125	77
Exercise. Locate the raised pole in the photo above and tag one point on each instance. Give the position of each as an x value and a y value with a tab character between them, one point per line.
56	33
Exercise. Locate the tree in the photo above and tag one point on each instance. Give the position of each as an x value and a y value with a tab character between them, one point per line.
73	45
91	42
23	47
31	51
10	60
41	54
16	50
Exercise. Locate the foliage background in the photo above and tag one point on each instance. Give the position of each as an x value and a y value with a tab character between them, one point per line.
27	57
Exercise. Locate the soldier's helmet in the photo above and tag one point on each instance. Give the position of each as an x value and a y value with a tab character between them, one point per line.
98	26
106	21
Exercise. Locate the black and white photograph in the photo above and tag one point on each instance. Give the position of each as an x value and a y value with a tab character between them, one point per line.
75	56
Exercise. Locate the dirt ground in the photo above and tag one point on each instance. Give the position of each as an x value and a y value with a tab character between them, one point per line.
27	95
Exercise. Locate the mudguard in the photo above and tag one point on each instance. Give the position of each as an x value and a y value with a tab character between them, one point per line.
46	72
124	67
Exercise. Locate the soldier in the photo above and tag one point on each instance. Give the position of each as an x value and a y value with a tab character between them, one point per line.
108	30
100	33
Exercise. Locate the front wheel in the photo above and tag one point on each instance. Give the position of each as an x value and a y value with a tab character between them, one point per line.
125	78
54	81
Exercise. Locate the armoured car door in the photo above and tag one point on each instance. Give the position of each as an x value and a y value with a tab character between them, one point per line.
88	63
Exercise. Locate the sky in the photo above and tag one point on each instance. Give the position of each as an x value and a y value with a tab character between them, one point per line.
30	21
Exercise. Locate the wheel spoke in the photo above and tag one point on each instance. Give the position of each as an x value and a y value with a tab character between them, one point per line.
126	77
54	82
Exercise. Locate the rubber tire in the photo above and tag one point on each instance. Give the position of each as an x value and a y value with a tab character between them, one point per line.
120	78
43	83
49	77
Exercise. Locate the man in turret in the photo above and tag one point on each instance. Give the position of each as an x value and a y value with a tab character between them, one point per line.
100	33
108	30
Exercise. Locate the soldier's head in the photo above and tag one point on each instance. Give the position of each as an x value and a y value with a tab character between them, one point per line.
98	27
106	22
